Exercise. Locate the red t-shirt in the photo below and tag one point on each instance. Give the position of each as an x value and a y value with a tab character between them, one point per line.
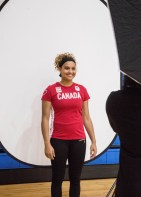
67	104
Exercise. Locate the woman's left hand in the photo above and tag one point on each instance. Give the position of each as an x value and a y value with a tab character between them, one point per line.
93	150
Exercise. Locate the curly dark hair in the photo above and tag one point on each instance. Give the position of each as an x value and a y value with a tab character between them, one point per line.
60	57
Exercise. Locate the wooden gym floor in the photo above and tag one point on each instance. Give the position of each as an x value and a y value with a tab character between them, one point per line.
89	188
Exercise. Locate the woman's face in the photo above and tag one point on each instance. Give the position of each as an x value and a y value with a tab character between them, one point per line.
68	71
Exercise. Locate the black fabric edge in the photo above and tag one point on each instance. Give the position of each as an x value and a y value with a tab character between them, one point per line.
104	2
3	4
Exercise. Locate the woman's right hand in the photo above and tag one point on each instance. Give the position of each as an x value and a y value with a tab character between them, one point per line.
49	151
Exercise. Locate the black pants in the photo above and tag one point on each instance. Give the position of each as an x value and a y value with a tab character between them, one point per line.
74	151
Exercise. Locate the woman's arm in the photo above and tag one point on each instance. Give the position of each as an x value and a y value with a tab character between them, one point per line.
89	128
46	109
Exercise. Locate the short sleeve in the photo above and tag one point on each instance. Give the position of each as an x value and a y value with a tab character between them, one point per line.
86	95
46	96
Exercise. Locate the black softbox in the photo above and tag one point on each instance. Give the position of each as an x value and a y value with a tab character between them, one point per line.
126	19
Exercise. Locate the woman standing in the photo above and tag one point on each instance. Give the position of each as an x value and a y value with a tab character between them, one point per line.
69	102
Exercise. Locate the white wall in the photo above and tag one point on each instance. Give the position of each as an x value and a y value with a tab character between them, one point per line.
1	1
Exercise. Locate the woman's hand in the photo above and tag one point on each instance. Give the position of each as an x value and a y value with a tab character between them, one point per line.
49	151
93	150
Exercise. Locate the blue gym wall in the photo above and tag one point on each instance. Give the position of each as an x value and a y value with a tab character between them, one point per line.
110	156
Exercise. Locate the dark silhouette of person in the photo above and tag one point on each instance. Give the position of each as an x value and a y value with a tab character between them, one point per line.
123	108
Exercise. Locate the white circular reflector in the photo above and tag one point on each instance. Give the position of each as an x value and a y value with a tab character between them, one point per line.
32	33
